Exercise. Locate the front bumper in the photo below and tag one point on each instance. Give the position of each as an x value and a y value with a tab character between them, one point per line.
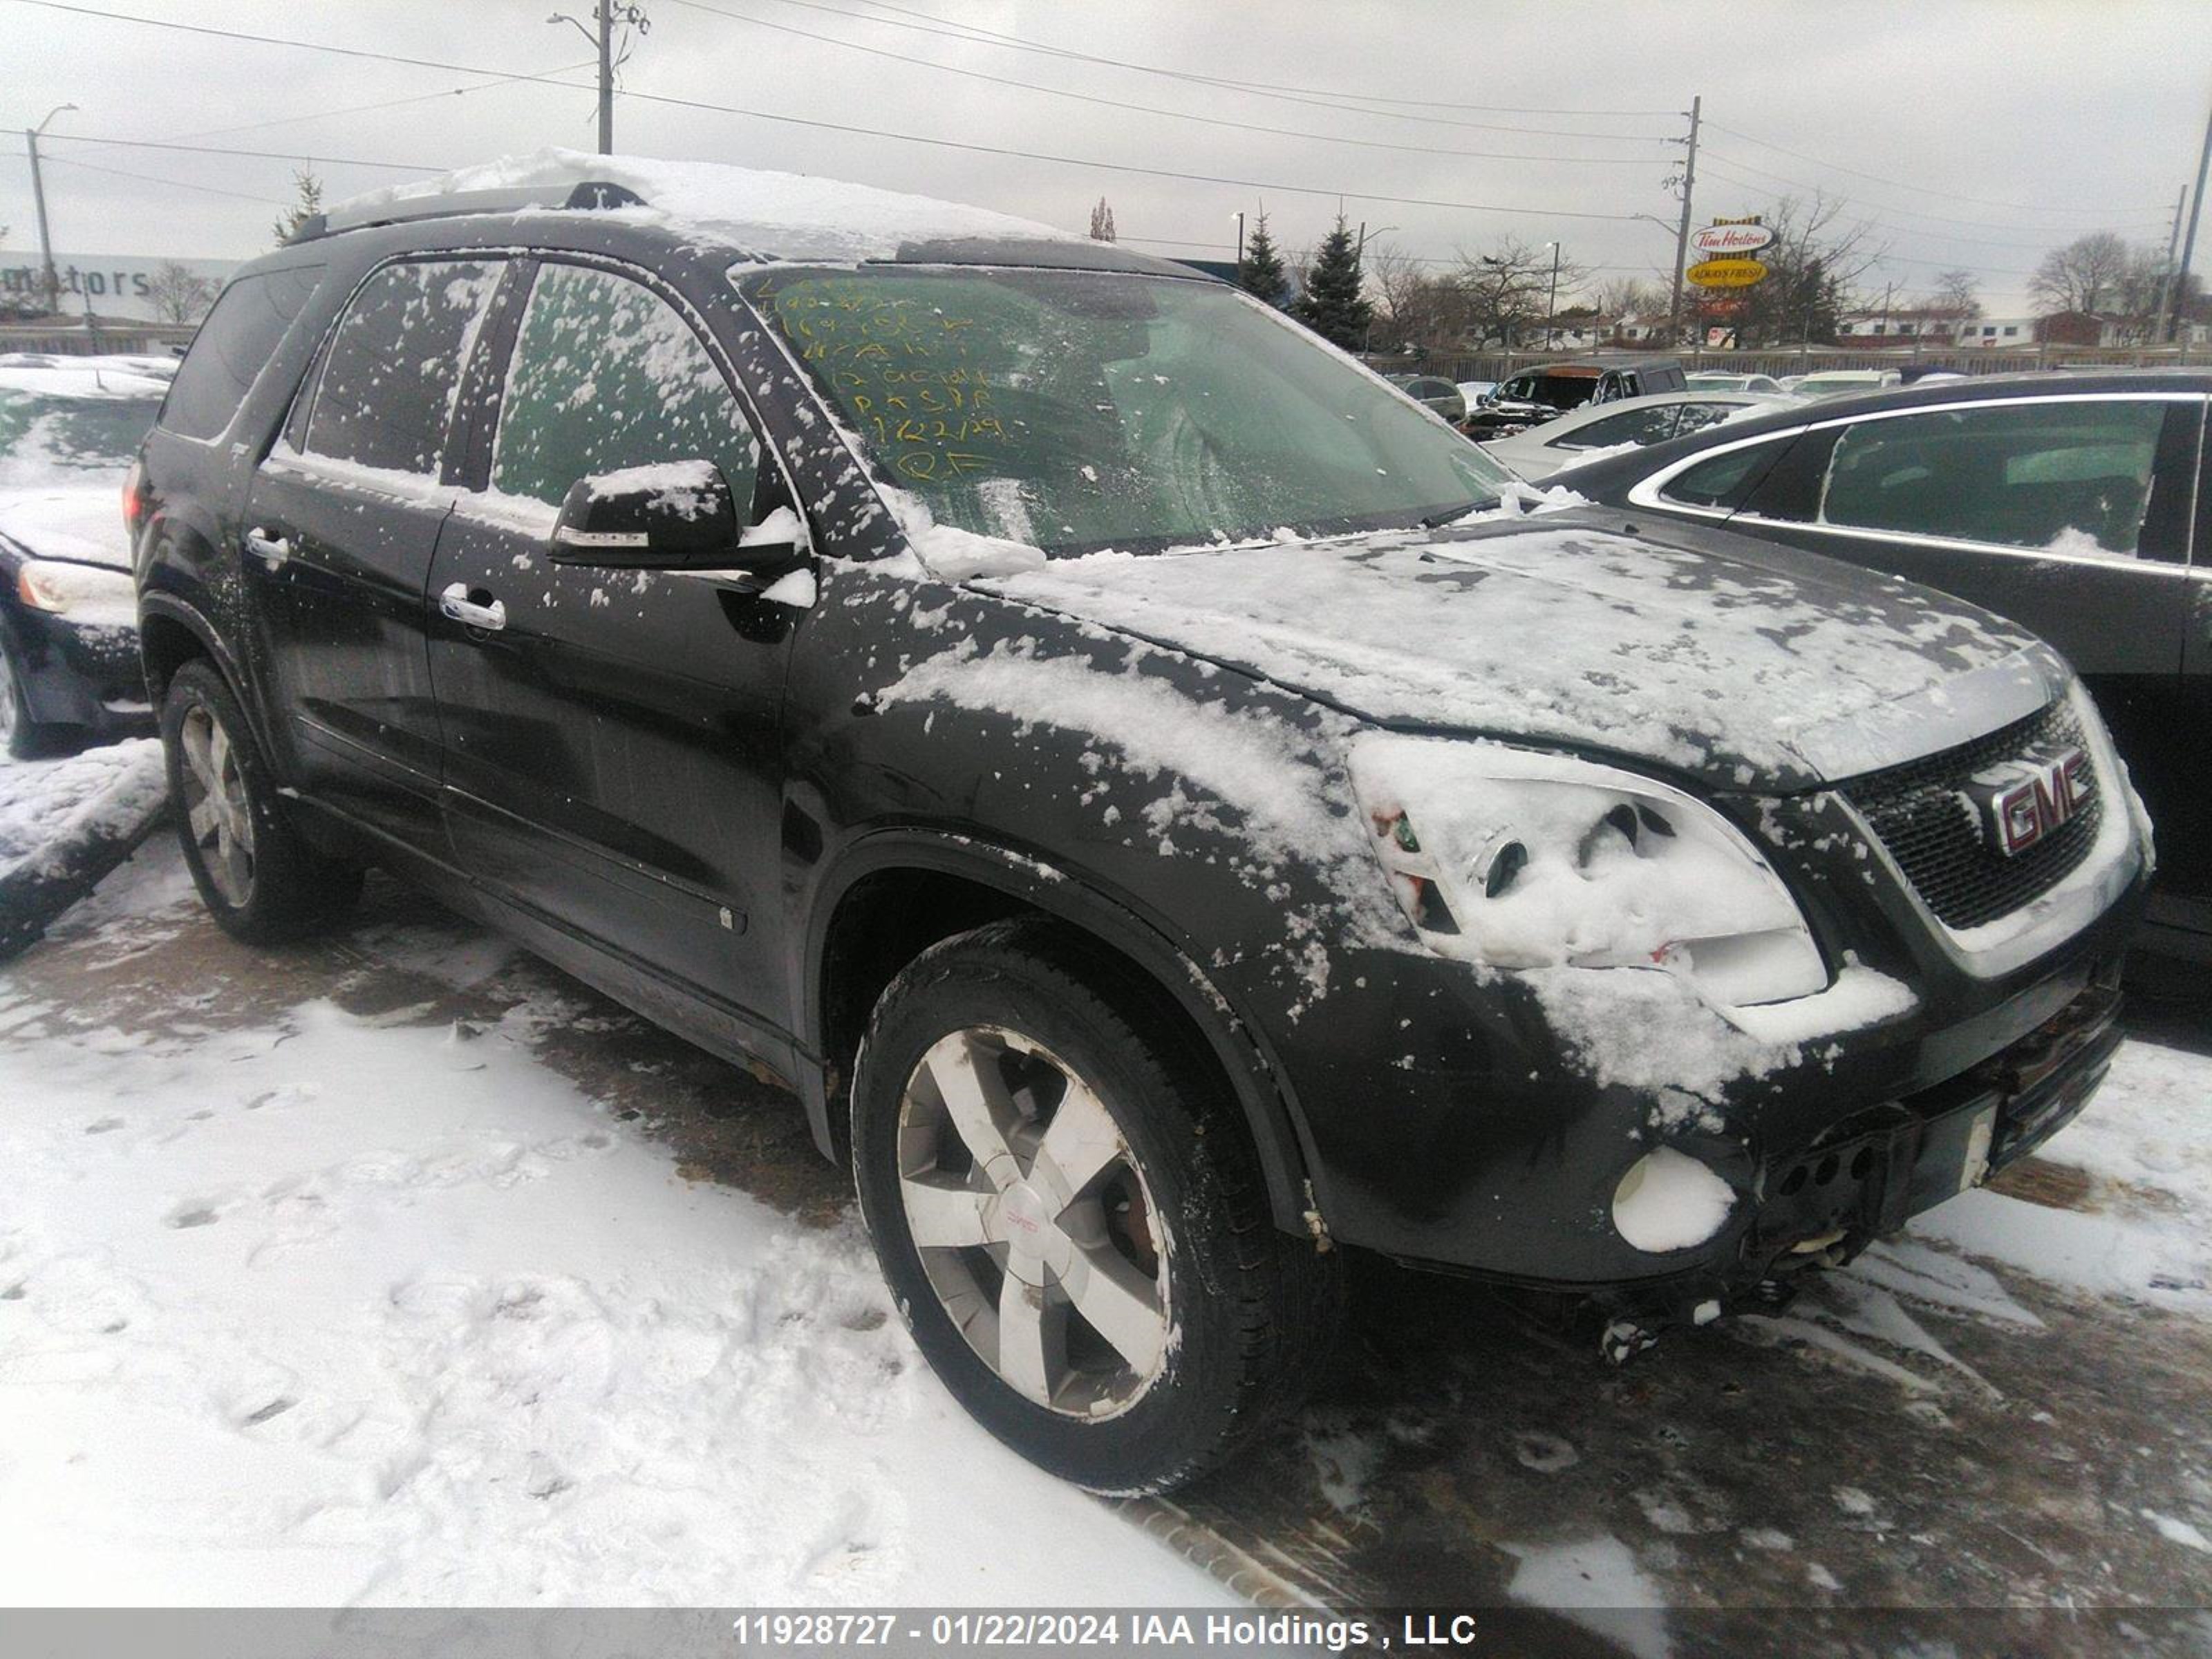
84	675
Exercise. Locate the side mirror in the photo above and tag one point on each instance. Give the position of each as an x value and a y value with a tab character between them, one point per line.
677	516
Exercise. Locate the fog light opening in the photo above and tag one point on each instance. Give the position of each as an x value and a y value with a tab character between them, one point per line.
1670	1201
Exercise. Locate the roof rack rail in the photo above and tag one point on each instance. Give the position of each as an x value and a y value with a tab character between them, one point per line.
589	195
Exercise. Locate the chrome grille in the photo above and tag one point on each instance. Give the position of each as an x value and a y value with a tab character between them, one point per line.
1929	828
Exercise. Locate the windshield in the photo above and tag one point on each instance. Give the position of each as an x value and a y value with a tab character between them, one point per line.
46	439
1076	410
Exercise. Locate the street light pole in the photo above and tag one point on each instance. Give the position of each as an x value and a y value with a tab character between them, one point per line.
52	278
1240	245
2179	296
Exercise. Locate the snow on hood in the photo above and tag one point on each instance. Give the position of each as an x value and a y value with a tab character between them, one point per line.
1747	664
83	524
791	215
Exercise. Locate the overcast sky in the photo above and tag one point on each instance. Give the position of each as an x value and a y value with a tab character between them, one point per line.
1969	134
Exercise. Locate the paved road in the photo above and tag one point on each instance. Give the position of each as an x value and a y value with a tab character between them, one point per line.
1927	1432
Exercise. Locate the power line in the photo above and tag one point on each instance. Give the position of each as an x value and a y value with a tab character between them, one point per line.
150	178
1907	213
1258	88
976	30
1124	105
1335	192
254	155
1927	190
389	103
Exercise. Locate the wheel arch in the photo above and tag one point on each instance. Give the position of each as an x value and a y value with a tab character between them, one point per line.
895	892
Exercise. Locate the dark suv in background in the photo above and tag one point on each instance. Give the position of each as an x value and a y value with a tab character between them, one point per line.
2080	505
1088	738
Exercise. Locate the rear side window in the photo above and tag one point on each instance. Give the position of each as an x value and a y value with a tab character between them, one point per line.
230	347
1634	426
607	375
2059	477
392	371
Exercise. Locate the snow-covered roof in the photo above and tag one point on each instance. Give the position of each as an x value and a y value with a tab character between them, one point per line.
781	214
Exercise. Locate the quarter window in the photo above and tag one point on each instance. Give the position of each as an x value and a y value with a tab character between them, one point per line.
393	370
2060	476
1725	481
607	375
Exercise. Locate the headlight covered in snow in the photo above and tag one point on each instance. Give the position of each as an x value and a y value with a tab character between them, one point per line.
1513	858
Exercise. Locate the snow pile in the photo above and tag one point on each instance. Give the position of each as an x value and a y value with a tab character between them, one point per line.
48	807
1670	1201
321	1309
680	487
788	215
2162	1142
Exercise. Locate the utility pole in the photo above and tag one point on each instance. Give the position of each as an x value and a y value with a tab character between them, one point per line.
50	279
2178	295
600	32
1682	234
1551	305
606	20
2166	270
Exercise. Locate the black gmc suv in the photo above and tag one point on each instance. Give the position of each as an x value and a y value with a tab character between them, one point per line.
1087	738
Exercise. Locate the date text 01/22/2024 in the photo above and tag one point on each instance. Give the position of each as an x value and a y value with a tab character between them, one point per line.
1043	1629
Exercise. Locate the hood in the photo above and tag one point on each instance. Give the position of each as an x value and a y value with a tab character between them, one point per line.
83	526
1746	664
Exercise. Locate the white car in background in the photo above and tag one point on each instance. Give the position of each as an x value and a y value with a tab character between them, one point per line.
1720	380
1840	382
1628	423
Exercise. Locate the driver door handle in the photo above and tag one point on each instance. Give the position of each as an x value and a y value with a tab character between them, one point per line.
270	546
455	602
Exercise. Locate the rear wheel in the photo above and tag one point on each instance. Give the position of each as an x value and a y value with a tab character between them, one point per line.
1071	1215
258	878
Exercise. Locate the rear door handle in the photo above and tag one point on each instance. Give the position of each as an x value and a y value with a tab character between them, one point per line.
455	602
270	546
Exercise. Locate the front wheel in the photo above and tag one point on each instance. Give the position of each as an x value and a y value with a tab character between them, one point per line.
258	878
1071	1216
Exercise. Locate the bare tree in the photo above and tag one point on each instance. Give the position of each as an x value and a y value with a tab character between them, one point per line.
2084	275
1413	307
176	294
1814	263
1629	296
1509	290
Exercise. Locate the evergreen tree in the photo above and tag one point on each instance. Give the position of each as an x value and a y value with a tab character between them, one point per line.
1102	222
308	205
1262	274
1333	305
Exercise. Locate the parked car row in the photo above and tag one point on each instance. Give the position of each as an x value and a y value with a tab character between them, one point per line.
1119	765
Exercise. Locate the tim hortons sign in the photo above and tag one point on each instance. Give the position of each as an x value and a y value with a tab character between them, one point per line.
1731	239
2020	803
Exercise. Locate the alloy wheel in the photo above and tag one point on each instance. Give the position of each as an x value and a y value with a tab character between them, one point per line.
1034	1222
222	823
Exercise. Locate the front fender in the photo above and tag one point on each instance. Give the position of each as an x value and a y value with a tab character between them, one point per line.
1277	1127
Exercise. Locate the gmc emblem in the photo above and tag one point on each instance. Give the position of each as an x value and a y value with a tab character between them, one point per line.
2020	802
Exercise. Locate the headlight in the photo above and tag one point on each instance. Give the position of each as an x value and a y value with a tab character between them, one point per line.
49	585
1513	858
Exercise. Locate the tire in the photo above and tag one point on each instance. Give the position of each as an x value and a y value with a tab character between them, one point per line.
23	737
263	884
1210	1322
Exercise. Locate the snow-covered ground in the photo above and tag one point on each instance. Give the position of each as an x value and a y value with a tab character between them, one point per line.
337	1276
302	1306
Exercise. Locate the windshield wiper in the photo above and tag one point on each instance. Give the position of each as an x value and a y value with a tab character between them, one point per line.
1438	521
